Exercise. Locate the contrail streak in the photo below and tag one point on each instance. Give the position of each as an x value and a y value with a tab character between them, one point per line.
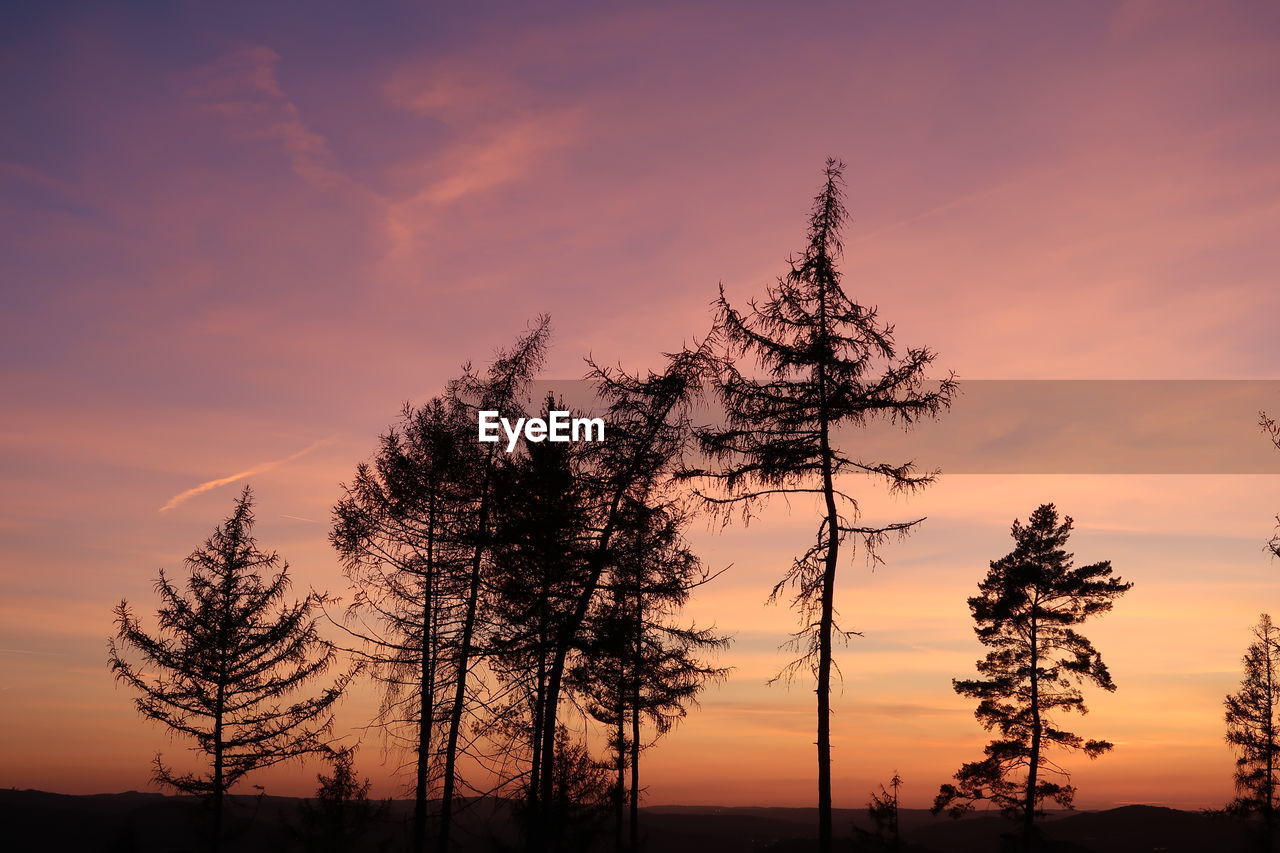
248	472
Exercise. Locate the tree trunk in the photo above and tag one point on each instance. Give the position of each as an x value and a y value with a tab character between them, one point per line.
219	710
620	784
418	842
546	794
216	842
533	819
635	779
636	666
539	720
1268	811
565	638
464	662
1029	805
826	622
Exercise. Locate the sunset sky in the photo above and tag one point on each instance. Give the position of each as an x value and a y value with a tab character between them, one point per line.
237	236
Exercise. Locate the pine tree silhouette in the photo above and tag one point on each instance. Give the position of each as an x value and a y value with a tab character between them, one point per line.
500	388
229	652
1253	730
404	532
829	363
639	667
647	429
337	817
1026	610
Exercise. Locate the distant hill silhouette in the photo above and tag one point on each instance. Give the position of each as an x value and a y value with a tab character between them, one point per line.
135	822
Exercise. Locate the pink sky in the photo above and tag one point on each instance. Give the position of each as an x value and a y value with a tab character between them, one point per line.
237	240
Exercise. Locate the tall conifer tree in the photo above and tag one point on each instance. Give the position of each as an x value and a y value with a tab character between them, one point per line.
229	654
414	534
403	533
501	389
641	670
828	363
539	571
646	430
1253	730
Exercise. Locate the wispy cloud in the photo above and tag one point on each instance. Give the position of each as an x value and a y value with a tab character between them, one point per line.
243	86
248	472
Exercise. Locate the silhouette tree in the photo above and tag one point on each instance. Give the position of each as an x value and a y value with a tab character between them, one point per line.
404	532
228	652
882	808
341	812
1025	611
638	665
582	496
648	427
579	798
830	363
1254	730
539	570
499	389
601	676
414	534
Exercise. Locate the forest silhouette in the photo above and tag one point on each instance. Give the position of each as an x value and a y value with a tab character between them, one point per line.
522	616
